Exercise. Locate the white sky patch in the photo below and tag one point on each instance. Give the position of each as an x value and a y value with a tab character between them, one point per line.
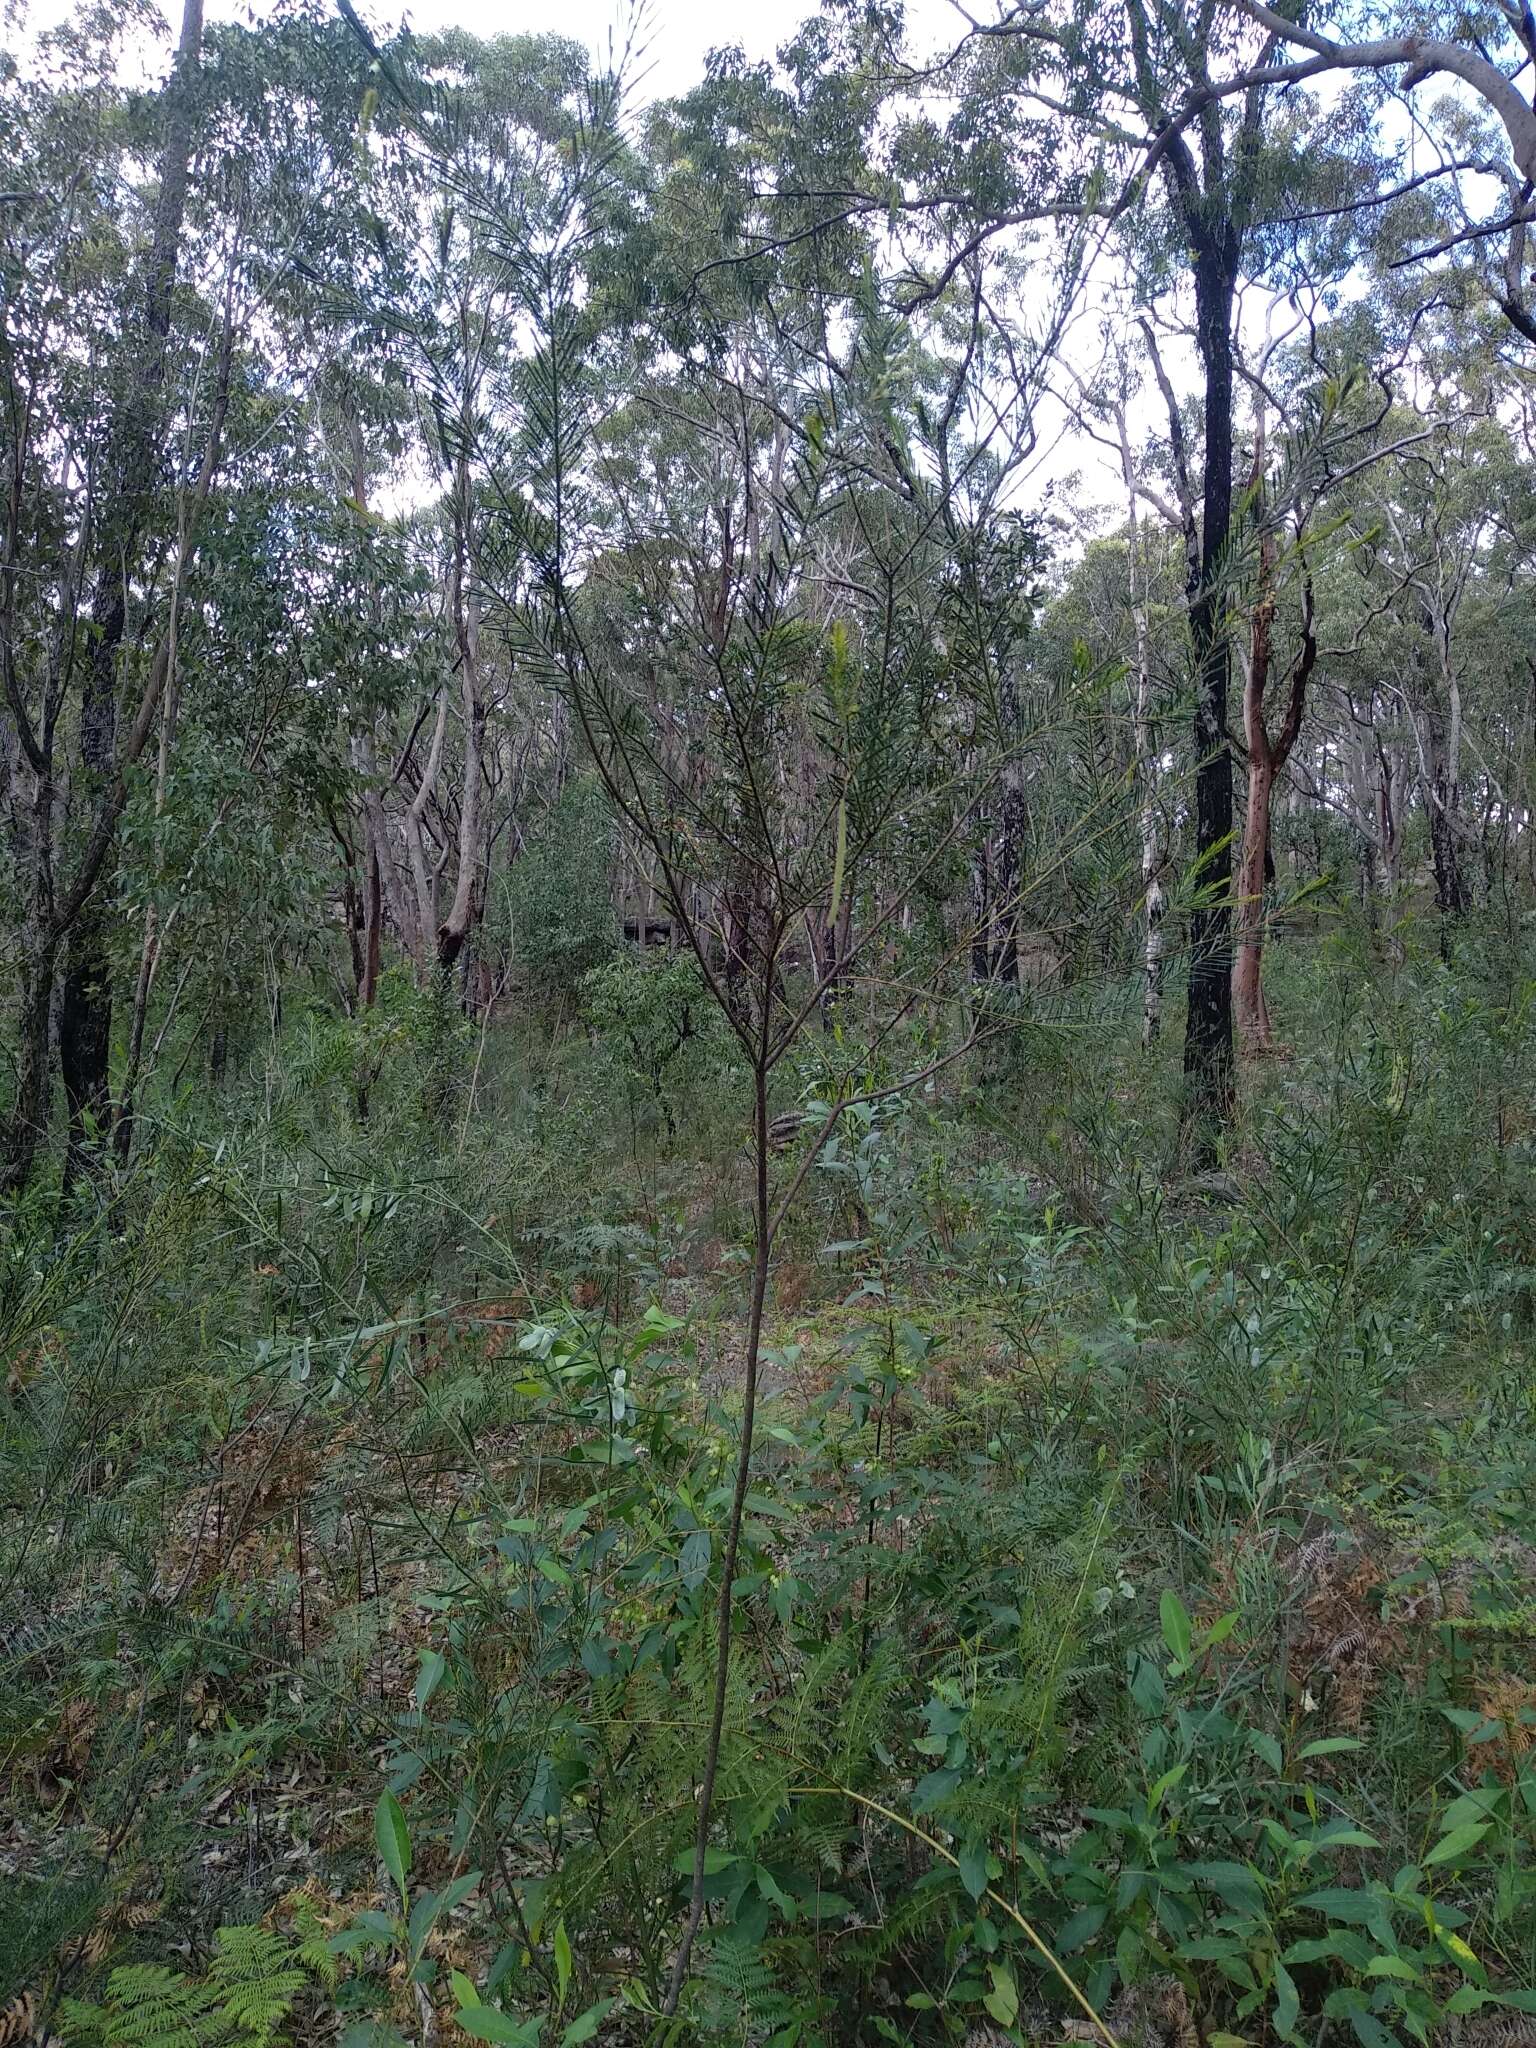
674	38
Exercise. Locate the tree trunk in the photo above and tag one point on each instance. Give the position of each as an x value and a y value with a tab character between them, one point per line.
828	941
1442	799
1391	845
55	913
393	896
454	929
1247	973
373	924
85	1015
1267	757
1450	888
122	1132
85	1007
1006	917
982	896
149	952
28	1123
424	914
1154	896
1208	1061
32	835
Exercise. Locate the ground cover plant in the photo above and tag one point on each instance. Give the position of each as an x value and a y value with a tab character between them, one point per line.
1140	1605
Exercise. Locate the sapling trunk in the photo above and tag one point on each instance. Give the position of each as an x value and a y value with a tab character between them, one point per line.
763	1220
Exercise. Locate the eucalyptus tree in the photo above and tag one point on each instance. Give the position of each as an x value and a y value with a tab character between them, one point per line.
1498	633
116	518
1118	608
445	310
1432	656
1456	209
1161	127
159	322
1145	555
1315	435
86	424
311	623
1481	130
1258	190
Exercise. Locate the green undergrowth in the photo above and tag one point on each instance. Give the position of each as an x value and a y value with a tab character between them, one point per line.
1135	1609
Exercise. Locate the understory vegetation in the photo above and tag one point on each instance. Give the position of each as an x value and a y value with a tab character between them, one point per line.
1138	1574
767	1091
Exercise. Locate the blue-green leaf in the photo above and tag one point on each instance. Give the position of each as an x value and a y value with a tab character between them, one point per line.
485	2023
1178	1631
1287	2003
393	1838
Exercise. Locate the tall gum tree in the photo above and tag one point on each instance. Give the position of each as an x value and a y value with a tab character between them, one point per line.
1086	115
77	498
129	472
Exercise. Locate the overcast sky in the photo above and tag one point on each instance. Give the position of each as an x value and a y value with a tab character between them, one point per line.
676	33
676	36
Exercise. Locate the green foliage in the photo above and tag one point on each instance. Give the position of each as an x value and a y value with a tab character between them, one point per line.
560	916
666	1032
1164	1570
243	2000
392	1057
1132	1624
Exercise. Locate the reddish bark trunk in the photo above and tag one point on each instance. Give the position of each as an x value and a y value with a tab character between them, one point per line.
1247	973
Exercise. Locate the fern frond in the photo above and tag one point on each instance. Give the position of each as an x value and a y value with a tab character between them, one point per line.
147	2006
256	1980
747	1988
248	1993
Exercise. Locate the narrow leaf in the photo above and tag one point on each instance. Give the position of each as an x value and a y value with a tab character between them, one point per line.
1178	1631
393	1838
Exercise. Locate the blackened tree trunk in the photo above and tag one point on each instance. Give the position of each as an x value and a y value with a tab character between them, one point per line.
464	612
32	831
981	903
1211	201
54	912
133	457
85	1007
1208	1062
1453	896
1010	846
373	926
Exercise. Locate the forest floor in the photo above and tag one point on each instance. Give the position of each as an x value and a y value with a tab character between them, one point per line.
1134	1570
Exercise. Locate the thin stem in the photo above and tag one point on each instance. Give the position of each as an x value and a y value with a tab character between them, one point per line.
764	1223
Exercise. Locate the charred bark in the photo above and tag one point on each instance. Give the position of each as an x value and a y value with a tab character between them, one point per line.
1208	1049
